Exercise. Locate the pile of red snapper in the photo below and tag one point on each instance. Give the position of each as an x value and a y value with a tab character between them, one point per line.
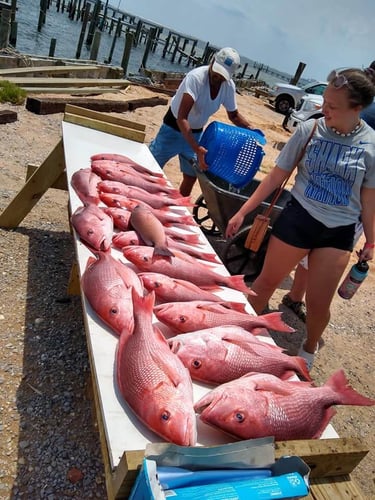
129	207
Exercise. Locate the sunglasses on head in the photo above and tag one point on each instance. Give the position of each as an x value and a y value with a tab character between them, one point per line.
337	80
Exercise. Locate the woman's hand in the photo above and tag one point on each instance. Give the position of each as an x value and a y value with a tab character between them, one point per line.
367	253
234	225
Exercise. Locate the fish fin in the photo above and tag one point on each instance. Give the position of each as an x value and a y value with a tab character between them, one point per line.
163	251
237	283
301	367
184	201
327	417
346	394
274	322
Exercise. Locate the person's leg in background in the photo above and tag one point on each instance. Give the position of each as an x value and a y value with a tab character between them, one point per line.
280	259
294	300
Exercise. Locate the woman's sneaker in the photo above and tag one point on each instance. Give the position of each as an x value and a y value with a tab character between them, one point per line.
307	356
299	308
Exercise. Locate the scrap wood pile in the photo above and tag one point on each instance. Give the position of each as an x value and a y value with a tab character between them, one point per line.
149	261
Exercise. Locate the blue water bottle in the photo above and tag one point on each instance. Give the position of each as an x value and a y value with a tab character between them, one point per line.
353	280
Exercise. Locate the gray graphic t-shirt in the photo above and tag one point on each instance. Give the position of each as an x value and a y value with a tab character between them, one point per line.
332	172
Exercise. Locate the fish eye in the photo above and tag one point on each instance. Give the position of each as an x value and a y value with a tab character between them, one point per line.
145	258
182	319
165	415
90	231
157	284
240	417
113	310
196	363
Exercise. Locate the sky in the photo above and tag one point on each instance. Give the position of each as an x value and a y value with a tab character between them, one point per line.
323	34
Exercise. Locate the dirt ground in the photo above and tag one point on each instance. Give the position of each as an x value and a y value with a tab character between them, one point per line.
348	340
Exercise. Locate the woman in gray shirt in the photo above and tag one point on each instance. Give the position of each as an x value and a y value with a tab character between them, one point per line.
334	187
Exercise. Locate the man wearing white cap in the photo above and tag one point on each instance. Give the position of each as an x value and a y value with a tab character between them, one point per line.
200	94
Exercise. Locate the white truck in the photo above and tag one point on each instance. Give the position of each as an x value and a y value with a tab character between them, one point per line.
285	96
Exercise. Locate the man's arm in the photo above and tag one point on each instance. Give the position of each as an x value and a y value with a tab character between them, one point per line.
239	120
186	104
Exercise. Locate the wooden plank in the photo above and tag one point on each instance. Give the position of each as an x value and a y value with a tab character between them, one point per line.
95	115
49	105
107	127
42	179
74	286
71	90
337	487
325	457
59	184
71	68
68	82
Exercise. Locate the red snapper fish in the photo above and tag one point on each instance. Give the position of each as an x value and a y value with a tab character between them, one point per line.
120	217
113	174
85	184
221	354
118	158
94	226
122	168
128	238
107	284
182	266
151	230
258	405
172	289
155	200
199	314
153	381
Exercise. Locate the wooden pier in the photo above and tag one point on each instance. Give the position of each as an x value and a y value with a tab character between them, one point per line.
98	16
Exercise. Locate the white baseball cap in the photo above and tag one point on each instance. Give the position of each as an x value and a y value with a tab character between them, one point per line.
226	62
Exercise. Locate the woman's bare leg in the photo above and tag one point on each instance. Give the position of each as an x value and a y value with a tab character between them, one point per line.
280	259
326	266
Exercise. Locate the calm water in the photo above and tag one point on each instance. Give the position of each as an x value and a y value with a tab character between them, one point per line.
67	33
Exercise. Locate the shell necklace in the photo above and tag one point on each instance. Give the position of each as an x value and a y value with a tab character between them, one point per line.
355	129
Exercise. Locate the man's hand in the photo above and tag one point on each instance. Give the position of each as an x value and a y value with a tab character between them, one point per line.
201	153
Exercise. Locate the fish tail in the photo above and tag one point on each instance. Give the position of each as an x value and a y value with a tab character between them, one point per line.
184	201
273	321
345	392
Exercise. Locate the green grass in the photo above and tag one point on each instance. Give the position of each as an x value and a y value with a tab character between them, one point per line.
9	92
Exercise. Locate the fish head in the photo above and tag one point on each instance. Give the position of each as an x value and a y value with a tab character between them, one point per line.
175	315
137	254
203	355
230	409
170	414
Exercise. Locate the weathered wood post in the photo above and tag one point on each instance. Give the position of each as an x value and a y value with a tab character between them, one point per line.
183	49
192	53
151	36
42	14
137	33
178	39
116	35
165	50
93	23
52	47
126	55
79	10
244	70
95	45
86	15
4	27
298	73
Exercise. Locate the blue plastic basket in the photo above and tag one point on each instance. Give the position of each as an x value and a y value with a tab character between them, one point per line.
233	153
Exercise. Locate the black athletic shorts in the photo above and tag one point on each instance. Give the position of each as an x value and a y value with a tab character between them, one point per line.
296	227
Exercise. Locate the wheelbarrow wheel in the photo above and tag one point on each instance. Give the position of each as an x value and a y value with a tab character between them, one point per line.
240	260
202	217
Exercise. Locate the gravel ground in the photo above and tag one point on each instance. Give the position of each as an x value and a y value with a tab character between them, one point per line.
50	445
